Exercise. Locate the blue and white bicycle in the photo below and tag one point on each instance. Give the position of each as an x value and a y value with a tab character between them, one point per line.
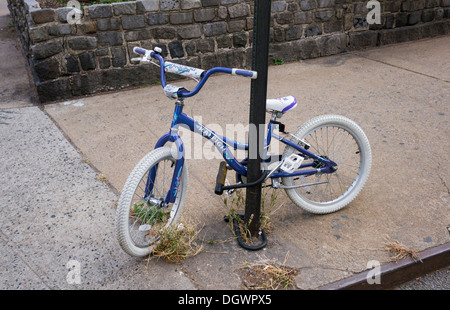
324	166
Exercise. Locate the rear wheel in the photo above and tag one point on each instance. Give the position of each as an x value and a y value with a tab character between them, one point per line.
342	141
140	216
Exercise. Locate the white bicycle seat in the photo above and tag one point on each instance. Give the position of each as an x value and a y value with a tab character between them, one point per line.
281	104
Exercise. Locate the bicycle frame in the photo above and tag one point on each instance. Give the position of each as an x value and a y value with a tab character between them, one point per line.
222	144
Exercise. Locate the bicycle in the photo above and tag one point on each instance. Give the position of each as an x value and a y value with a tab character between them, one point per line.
324	166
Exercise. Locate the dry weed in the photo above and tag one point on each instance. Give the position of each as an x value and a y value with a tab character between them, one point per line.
399	250
268	275
177	243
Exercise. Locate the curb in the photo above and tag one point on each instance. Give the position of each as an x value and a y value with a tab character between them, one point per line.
396	273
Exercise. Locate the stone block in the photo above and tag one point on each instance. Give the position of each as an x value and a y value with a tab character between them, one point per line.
222	12
363	39
108	24
325	3
87	60
138	35
284	18
293	32
133	22
401	19
205	45
427	16
38	34
210	2
164	33
325	15
313	30
432	4
332	44
157	19
181	18
360	22
392	7
143	6
62	13
47	69
176	49
44	50
53	90
360	8
227	58
225	2
43	16
30	5
86	84
447	12
102	51
99	11
214	29
389	23
278	6
119	56
82	43
303	17
277	35
57	29
236	25
87	27
190	32
414	18
240	39
191	48
72	65
169	5
190	4
334	26
110	38
307	5
104	62
238	10
124	8
204	15
224	41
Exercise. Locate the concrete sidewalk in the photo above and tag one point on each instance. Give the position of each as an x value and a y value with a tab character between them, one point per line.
54	210
399	95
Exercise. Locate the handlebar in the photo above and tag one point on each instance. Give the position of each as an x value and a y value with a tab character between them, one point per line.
191	72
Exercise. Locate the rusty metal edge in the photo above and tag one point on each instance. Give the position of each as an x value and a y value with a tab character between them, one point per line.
396	273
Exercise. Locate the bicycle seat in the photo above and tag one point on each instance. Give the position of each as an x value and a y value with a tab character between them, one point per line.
281	104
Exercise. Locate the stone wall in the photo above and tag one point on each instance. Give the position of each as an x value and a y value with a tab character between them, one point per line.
94	54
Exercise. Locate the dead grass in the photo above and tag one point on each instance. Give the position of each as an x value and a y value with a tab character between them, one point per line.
268	275
399	251
177	243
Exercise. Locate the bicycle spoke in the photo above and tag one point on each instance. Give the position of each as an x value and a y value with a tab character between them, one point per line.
335	143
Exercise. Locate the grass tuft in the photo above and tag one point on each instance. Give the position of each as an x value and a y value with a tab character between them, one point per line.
176	243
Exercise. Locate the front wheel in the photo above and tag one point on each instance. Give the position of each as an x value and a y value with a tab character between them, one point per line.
141	213
342	141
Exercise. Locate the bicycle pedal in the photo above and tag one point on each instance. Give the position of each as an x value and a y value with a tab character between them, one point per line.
220	180
291	163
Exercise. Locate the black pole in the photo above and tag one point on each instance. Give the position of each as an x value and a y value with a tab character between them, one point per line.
260	50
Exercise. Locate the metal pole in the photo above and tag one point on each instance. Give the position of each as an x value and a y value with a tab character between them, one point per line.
261	35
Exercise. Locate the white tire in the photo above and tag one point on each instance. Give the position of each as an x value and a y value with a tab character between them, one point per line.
138	221
351	153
